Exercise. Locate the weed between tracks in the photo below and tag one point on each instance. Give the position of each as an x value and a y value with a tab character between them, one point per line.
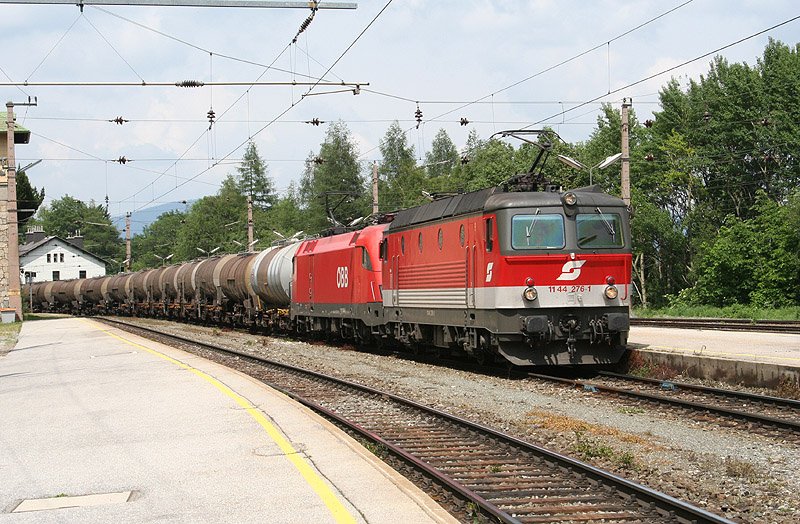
788	388
638	366
740	468
586	445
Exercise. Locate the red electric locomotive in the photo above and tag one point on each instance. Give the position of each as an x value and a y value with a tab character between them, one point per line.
336	286
525	271
540	278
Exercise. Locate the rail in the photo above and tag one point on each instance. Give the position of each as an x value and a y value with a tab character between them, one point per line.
490	474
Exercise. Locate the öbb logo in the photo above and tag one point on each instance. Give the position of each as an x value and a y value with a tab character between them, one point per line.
342	277
571	270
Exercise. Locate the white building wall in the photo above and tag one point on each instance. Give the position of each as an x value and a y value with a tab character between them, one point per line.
74	262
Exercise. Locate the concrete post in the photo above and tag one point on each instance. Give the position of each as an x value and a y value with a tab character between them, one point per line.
374	187
249	223
127	241
626	156
14	298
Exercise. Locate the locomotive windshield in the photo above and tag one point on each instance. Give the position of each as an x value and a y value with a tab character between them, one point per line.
537	231
599	230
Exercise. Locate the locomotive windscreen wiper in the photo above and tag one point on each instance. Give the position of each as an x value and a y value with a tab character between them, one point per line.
529	229
608	225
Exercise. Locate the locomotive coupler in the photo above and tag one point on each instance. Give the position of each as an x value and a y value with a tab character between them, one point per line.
570	326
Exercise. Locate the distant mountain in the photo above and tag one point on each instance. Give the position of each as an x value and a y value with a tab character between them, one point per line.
145	217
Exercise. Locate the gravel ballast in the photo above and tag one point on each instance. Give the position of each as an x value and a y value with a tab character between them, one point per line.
744	477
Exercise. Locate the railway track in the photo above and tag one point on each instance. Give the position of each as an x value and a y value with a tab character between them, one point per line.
771	416
722	324
477	473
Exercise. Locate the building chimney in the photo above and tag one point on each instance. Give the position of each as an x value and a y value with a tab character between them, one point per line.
34	234
76	240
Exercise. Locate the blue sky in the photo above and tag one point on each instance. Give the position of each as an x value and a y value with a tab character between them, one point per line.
441	53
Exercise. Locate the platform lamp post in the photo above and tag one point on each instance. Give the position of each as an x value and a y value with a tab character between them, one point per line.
571	162
164	259
208	253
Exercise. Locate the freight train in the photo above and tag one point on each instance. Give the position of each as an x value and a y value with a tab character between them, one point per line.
534	278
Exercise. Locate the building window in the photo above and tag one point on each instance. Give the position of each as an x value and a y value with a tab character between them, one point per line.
56	276
61	256
48	258
82	274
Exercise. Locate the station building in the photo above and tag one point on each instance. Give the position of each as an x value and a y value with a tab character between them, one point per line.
47	258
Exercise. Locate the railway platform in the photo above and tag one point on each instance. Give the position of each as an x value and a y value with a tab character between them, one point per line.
751	358
99	425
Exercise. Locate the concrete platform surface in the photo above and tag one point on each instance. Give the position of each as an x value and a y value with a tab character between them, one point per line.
89	410
770	348
758	359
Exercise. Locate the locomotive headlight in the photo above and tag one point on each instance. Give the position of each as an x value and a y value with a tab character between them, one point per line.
529	294
611	292
570	199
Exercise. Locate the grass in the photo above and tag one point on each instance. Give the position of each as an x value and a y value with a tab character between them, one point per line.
638	366
42	316
740	468
589	448
564	424
788	388
8	335
735	311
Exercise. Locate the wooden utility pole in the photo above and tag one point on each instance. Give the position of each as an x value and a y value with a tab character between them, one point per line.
128	241
249	223
374	187
14	298
626	155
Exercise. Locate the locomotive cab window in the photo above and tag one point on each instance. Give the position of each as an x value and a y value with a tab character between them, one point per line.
537	231
599	230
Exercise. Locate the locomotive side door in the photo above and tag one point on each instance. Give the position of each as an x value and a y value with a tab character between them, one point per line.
311	281
394	280
471	252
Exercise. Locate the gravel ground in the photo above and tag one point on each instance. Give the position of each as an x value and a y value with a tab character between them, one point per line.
746	478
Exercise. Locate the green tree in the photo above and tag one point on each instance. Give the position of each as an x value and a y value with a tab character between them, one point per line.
28	197
213	223
401	181
67	216
157	240
443	158
253	178
285	216
753	261
335	168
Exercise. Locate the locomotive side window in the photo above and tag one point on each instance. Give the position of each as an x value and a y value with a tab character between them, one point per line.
365	261
403	245
537	231
384	251
489	234
462	236
441	239
420	242
599	230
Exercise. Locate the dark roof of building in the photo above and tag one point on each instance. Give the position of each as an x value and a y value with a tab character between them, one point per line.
27	248
21	135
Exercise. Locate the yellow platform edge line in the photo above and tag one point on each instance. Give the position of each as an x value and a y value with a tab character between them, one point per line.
337	509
